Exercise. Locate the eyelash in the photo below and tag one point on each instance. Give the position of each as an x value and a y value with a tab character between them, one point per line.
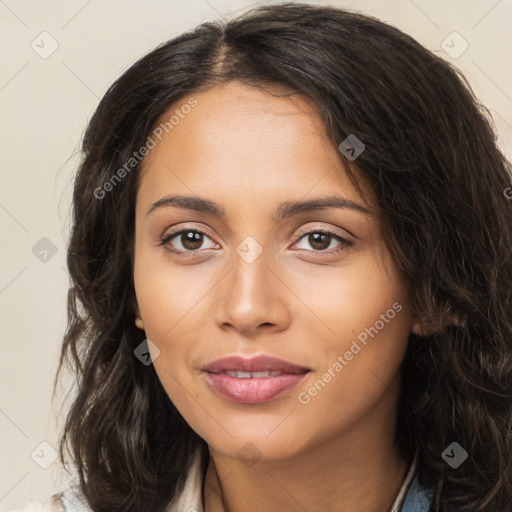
344	243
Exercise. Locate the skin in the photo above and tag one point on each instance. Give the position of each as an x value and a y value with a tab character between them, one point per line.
250	151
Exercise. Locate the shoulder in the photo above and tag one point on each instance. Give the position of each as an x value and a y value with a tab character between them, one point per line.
72	500
52	504
68	500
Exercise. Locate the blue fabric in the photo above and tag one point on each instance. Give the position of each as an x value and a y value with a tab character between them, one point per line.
418	498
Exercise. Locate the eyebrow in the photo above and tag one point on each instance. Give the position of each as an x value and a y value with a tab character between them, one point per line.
285	209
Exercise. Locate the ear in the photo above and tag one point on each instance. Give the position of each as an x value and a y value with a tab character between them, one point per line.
416	329
135	306
138	320
455	320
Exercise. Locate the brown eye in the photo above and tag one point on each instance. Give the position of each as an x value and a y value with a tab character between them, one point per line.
320	241
186	240
191	240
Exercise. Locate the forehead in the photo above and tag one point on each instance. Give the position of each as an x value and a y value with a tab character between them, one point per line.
241	139
235	116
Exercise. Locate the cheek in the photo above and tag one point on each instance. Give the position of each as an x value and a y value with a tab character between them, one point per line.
362	327
169	295
340	303
173	304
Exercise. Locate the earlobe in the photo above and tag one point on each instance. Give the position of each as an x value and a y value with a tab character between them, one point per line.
138	320
455	320
416	329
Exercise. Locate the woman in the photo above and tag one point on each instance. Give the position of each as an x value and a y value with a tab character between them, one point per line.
291	258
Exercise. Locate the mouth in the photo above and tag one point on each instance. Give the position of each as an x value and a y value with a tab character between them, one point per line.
252	381
255	365
251	375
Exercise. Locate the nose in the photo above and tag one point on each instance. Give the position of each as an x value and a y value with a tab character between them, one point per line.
252	297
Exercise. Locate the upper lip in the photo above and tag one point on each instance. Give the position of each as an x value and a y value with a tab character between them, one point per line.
256	364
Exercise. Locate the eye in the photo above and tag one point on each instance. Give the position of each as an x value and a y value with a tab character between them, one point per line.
188	240
320	240
191	240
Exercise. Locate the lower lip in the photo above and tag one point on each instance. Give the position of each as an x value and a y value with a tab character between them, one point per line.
252	390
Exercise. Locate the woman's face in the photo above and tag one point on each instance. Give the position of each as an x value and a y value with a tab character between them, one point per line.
254	275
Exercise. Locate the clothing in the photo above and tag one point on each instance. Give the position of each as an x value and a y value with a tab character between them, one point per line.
411	497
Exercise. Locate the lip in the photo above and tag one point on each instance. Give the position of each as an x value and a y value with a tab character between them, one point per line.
261	363
253	390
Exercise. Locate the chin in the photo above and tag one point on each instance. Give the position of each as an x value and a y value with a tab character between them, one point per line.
257	444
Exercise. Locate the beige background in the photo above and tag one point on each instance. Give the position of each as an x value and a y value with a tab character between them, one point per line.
44	106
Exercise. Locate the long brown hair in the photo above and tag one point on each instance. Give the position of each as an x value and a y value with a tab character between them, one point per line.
431	158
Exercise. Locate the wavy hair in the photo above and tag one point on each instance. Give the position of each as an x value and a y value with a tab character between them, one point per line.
431	159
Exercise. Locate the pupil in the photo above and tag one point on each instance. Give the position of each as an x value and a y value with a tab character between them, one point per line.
314	240
192	240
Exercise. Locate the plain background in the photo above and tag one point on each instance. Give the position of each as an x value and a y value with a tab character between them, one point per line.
45	104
